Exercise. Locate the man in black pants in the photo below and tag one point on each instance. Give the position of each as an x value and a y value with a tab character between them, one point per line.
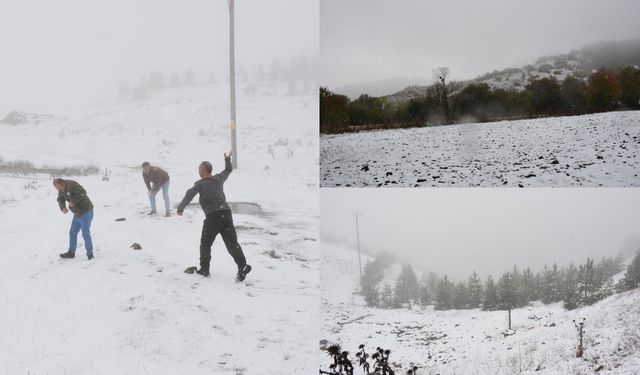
218	217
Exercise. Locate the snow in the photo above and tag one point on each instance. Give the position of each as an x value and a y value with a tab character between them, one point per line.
136	312
590	150
472	341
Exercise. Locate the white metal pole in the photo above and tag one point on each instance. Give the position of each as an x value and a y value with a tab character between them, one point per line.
358	239
232	85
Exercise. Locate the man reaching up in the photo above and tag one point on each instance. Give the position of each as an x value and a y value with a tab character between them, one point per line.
218	217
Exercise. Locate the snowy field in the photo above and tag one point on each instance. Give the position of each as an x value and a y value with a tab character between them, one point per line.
471	341
136	312
591	150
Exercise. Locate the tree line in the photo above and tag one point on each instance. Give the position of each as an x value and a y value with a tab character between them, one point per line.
573	285
603	90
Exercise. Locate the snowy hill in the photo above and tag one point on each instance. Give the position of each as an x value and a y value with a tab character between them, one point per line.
472	341
579	64
589	150
378	88
136	312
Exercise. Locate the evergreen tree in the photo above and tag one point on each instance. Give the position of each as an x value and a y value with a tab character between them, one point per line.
333	111
630	87
406	285
275	71
631	278
461	296
490	295
528	287
425	292
174	81
574	94
570	293
507	297
444	294
551	285
189	78
545	95
475	291
388	300
371	276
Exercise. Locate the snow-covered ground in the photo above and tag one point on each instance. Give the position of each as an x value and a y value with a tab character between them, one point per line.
591	150
472	341
136	312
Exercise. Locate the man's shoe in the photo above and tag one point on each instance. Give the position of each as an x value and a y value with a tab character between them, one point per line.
203	272
242	273
152	212
68	255
167	214
90	256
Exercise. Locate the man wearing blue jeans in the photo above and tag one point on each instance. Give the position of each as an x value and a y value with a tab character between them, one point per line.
156	178
82	208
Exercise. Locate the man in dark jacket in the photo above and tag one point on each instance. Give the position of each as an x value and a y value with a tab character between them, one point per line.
82	208
160	180
218	217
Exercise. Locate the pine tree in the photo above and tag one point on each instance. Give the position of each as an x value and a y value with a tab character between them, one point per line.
406	285
631	278
444	294
507	297
490	295
425	292
189	78
388	300
461	296
372	275
174	81
475	291
570	292
551	285
528	287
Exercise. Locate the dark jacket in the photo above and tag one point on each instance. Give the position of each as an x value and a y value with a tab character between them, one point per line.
211	190
74	193
156	175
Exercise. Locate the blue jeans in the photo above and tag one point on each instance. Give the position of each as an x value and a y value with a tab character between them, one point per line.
165	196
81	223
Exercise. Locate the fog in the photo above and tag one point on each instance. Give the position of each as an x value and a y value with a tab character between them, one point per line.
371	40
57	55
456	231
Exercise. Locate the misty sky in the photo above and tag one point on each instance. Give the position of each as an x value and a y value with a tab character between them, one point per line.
456	231
56	55
370	40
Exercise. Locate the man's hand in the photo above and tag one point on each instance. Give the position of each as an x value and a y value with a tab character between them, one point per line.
227	155
70	204
65	210
150	193
179	213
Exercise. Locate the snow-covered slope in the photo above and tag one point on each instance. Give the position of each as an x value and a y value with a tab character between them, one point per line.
136	312
591	150
471	341
579	64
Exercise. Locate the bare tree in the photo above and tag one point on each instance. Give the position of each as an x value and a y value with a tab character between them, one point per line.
440	75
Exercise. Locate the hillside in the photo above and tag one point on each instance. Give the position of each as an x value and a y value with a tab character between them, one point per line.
136	312
472	341
579	63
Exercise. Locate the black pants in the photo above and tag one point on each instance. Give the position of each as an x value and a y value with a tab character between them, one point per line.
220	222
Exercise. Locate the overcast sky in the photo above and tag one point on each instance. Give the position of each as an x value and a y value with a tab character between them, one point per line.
370	40
456	231
57	54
